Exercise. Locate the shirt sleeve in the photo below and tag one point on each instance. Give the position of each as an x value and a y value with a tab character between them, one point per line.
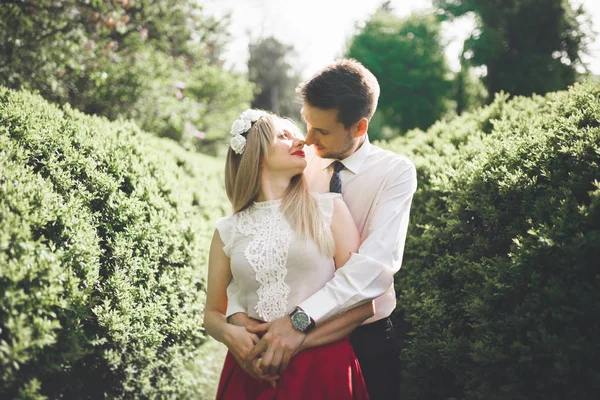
369	273
234	303
226	228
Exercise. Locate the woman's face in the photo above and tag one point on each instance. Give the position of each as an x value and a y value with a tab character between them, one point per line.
287	154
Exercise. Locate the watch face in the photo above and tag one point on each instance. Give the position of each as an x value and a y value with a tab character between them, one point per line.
300	321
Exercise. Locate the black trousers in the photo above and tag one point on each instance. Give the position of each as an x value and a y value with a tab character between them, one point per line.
378	353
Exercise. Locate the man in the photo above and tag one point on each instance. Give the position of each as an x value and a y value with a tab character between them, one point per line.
377	186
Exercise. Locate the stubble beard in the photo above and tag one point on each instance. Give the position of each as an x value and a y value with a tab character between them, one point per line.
344	152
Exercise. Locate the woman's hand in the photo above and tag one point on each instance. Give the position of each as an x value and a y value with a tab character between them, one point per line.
240	343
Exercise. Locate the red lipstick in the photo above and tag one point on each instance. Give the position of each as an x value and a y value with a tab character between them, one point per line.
298	153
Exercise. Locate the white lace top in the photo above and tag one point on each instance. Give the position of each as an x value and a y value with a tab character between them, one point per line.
273	269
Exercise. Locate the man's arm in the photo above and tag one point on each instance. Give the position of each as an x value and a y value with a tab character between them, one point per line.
370	272
338	328
281	341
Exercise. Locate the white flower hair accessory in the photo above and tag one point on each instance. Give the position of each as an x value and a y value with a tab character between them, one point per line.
237	144
241	126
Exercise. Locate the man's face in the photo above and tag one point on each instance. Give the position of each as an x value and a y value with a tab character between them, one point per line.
329	138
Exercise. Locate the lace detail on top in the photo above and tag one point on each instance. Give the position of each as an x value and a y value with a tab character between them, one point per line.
267	255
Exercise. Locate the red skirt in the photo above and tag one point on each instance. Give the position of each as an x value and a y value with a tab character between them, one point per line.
329	372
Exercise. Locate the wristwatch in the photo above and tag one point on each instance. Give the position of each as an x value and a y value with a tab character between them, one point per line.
301	321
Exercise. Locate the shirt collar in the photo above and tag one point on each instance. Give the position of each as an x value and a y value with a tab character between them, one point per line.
355	160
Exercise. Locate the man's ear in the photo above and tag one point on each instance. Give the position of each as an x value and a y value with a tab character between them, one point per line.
361	127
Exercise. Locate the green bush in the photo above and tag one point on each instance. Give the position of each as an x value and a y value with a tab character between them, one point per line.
103	238
499	295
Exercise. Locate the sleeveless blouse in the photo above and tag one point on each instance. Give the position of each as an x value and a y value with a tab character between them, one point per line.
273	268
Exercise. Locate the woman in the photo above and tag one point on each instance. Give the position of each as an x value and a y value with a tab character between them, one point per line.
280	246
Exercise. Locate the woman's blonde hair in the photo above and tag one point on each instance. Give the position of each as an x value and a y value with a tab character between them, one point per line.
242	183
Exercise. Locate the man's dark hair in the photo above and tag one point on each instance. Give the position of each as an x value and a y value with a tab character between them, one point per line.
345	85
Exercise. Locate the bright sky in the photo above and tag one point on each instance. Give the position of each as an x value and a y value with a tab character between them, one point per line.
319	29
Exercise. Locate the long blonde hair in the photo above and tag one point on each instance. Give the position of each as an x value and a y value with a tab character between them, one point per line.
242	183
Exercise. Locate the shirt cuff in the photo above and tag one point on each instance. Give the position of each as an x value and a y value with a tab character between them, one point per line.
319	307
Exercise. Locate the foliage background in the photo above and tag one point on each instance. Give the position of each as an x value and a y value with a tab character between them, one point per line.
154	61
106	207
103	253
498	293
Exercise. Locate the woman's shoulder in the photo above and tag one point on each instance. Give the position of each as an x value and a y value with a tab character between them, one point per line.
225	221
326	203
226	228
330	196
327	200
225	225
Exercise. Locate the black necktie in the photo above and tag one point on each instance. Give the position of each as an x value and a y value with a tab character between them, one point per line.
335	184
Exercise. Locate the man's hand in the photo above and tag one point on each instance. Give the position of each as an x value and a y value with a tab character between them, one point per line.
277	346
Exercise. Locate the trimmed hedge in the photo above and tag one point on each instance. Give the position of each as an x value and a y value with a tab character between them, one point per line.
499	294
104	231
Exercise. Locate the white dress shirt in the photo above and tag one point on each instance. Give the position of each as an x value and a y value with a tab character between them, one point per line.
378	186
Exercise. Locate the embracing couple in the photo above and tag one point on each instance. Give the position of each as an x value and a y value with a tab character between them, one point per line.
301	275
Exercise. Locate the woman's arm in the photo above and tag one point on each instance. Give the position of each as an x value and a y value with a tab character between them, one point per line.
347	242
239	341
219	276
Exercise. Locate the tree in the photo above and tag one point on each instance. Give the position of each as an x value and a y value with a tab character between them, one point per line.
470	92
270	70
120	59
407	57
528	46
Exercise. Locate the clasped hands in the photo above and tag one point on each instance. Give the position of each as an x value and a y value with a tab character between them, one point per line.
264	350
